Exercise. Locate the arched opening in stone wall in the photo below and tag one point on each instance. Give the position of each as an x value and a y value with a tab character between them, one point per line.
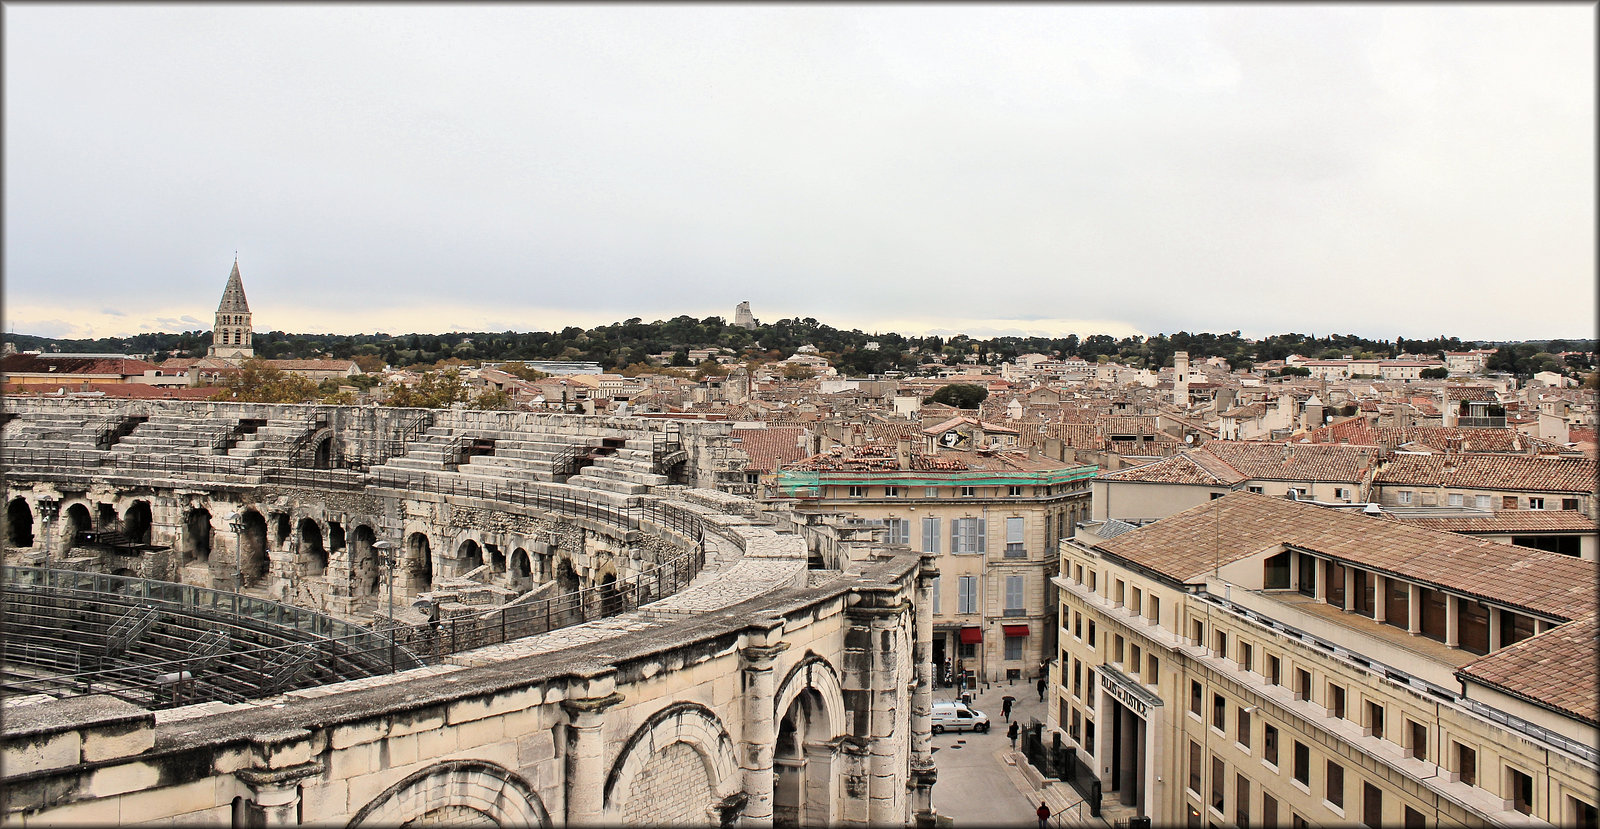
105	517
323	456
366	576
497	560
335	537
252	549
567	578
611	600
197	536
802	764
77	522
136	522
456	793
19	524
521	570
570	603
312	553
419	561
280	522
469	557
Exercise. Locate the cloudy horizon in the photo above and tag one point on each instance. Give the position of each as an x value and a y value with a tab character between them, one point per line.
1034	170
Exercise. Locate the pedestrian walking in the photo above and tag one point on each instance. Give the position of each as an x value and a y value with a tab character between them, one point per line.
1012	733
1044	814
1040	685
1005	708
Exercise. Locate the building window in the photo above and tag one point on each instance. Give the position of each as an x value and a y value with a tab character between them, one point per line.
1154	615
1581	814
1335	701
1116	648
930	492
1481	501
1257	490
1508	502
930	535
1093	642
969	491
1371	805
1274	670
899	531
1153	672
1222	644
1414	819
1308	576
967	594
1077	679
1336	784
1269	810
891	492
1077	573
1118	591
1077	625
1302	684
1197	632
1219	778
1014	596
1417	737
1196	698
1094	579
1013	647
1375	719
1404	498
1247	657
1241	801
1194	767
1244	728
967	536
1520	786
1535	503
1457	499
1466	765
1014	491
1014	545
1219	712
1136	602
1269	743
1088	736
1570	504
858	492
936	591
1302	764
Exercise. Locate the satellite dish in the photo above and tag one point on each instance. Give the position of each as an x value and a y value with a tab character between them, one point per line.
1188	438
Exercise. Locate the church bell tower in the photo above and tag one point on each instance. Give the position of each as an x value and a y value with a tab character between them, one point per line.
232	335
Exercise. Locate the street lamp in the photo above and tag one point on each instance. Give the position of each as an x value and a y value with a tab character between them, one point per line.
49	508
386	558
235	521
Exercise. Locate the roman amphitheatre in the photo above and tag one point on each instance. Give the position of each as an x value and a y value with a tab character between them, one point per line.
251	614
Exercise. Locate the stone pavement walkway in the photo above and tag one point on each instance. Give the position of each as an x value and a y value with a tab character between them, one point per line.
977	785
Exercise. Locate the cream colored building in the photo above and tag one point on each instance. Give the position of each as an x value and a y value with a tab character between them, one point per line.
1258	661
992	520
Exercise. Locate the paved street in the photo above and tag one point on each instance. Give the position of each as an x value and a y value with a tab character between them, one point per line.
977	787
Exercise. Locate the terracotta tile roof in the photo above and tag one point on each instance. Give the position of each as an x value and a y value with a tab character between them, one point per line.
770	448
1186	546
124	391
1310	462
66	364
1197	468
311	365
1555	669
1504	521
1438	438
1523	473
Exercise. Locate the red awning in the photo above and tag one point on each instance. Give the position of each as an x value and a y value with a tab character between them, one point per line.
1016	630
971	636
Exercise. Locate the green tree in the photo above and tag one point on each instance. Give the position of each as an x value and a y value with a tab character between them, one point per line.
959	395
1435	373
435	390
258	382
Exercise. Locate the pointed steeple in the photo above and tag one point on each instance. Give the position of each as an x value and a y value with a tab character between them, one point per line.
233	301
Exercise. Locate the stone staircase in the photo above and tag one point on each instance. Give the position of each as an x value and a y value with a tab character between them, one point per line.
166	435
54	431
268	443
628	470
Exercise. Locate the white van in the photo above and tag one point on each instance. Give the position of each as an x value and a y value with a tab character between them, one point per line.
956	716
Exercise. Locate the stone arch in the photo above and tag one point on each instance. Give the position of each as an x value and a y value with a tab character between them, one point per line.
809	710
252	550
136	522
469	556
19	524
312	553
365	574
77	522
322	453
196	535
451	789
521	570
652	780
419	561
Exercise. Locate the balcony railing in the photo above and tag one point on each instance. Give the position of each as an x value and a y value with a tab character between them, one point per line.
1016	551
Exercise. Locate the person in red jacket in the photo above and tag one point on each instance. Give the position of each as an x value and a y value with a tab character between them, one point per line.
1044	814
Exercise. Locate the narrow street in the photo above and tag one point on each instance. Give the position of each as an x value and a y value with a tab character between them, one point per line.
977	787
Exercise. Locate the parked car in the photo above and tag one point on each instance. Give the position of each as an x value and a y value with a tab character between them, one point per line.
956	716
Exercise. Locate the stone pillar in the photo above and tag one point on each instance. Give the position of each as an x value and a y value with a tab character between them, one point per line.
1414	609
1351	600
586	771
1322	580
923	772
1452	620
1294	570
275	793
760	722
875	694
818	799
1494	630
1380	598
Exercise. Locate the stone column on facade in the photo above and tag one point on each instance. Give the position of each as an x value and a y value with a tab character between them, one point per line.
760	722
1494	630
1413	609
1380	598
1351	600
275	793
586	771
923	771
1322	580
1452	620
878	690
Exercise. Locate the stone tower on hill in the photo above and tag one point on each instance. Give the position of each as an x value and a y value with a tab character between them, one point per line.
232	336
742	317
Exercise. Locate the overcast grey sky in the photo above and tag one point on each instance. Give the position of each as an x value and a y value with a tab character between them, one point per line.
1403	170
